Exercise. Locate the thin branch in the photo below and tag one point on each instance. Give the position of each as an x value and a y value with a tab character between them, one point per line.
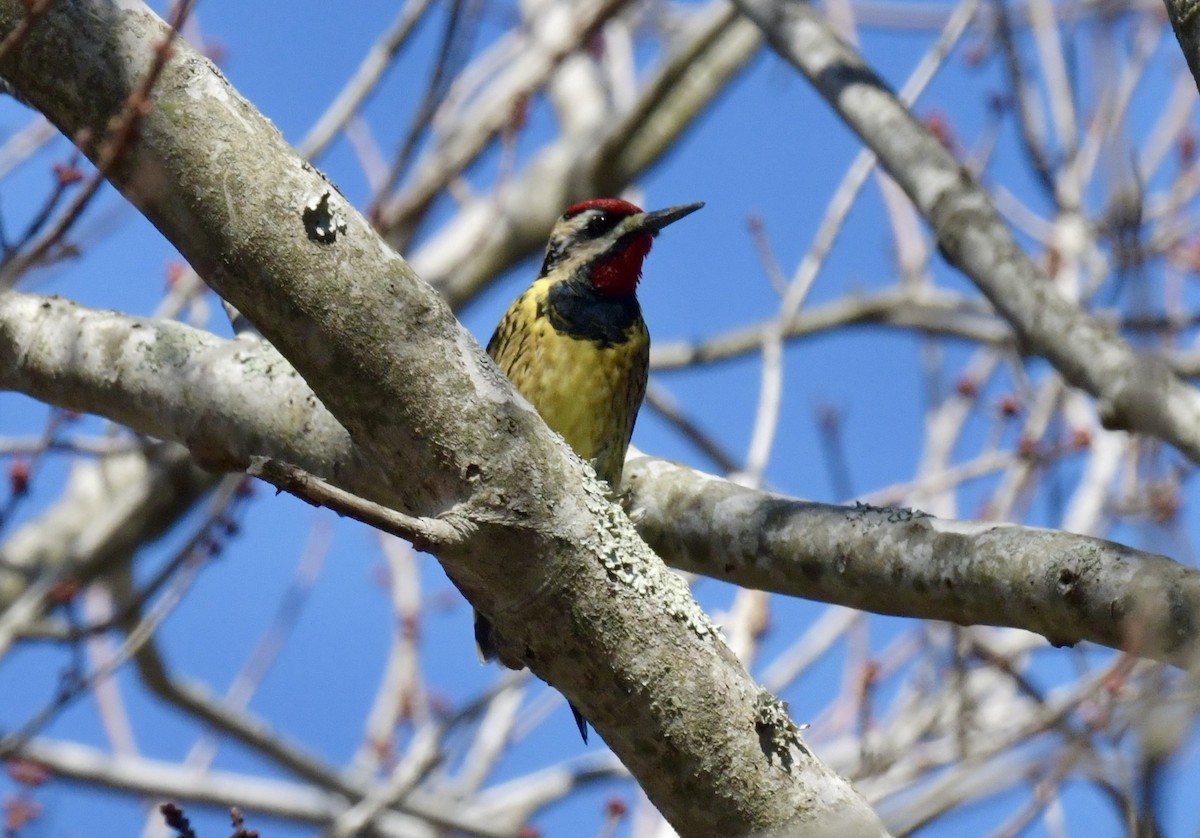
120	136
426	534
365	80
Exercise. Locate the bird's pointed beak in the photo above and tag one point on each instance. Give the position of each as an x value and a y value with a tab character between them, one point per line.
652	222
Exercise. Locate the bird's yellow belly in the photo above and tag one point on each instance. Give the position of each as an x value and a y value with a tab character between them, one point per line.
587	393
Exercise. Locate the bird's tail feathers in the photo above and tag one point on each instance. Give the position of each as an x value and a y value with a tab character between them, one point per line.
485	639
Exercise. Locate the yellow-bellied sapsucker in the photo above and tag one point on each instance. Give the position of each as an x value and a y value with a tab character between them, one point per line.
575	344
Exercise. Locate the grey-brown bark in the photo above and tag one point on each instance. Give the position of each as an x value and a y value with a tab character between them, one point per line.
1185	20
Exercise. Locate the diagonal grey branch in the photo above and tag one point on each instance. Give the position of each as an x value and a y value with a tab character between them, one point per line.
1136	392
1185	20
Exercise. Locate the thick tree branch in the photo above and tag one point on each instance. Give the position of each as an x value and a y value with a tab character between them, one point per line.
561	572
1136	392
226	400
1066	587
1063	586
1185	20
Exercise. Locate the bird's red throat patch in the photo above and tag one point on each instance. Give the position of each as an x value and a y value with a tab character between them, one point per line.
619	274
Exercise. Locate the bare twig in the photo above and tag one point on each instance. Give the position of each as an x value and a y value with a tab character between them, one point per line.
426	534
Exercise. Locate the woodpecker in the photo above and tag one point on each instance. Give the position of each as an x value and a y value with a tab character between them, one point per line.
575	344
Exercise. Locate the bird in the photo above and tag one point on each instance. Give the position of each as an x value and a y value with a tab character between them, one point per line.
575	345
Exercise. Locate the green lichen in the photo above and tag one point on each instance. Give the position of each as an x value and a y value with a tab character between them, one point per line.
630	562
777	733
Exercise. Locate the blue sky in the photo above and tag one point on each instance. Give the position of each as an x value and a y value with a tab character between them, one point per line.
769	148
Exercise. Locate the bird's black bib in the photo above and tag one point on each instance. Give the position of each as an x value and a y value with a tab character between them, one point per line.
580	311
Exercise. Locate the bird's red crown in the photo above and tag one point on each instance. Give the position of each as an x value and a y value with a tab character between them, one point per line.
613	205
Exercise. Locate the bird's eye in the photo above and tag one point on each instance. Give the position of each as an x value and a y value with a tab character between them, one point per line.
600	223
